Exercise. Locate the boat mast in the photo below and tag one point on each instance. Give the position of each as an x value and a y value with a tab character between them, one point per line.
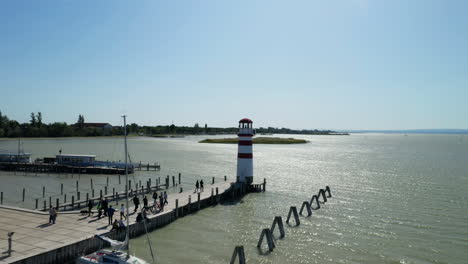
127	235
19	149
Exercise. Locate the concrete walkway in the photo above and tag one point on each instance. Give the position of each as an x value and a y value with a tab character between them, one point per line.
33	235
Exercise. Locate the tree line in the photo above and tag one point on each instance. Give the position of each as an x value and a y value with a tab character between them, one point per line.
36	128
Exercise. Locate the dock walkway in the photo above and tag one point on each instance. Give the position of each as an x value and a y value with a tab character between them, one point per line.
34	236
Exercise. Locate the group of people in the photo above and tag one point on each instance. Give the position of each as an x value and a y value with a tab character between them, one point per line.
103	208
199	186
159	201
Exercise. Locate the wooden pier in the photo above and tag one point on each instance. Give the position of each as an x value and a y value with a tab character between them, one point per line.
58	168
35	241
61	168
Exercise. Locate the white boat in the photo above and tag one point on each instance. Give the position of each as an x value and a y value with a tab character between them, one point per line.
109	257
117	255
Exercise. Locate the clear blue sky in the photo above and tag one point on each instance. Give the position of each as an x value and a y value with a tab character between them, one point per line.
352	64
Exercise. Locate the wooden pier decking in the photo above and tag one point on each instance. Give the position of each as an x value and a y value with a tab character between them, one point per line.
35	241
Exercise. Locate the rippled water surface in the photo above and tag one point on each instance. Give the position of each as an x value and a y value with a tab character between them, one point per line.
396	198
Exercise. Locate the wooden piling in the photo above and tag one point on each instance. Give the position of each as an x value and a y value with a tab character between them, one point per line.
65	198
61	189
293	211
24	193
266	233
100	193
50	201
198	201
73	202
278	221
189	203
238	251
1	198
177	208
87	197
57	203
37	203
212	196
212	180
92	184
173	181
78	196
105	190
264	184
45	205
119	178
107	181
225	178
77	186
179	177
43	191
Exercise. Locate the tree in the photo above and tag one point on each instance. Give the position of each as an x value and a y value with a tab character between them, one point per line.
134	127
172	128
33	119
39	119
80	121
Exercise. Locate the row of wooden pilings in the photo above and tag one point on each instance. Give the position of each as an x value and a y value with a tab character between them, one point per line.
103	193
267	233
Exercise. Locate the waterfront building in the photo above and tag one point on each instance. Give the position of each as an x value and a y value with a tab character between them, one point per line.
74	159
15	157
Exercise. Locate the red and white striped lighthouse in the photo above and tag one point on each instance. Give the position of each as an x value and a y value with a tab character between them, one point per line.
244	154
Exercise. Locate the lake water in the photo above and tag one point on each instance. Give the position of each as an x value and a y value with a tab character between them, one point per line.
396	198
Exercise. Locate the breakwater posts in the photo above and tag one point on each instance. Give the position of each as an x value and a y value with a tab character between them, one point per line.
277	221
238	253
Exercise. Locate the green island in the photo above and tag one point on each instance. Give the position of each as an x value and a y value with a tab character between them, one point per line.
258	140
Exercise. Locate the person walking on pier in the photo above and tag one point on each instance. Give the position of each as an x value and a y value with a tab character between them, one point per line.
90	206
122	212
155	197
145	202
136	202
165	198
99	209
201	186
196	187
161	202
105	206
51	215
110	214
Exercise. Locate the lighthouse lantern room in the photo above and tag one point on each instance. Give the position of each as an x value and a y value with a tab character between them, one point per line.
244	155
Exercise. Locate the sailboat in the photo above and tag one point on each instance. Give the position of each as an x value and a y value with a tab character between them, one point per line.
117	255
